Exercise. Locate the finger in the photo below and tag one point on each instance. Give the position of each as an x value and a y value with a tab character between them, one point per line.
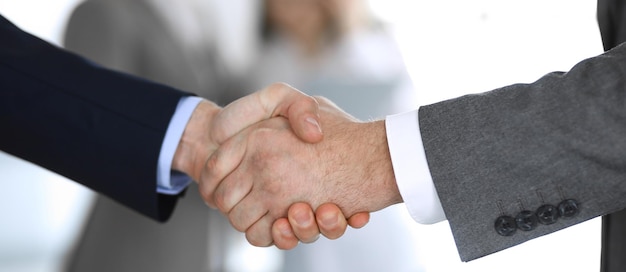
232	190
219	165
283	235
238	183
278	99
303	223
246	213
260	233
331	221
359	220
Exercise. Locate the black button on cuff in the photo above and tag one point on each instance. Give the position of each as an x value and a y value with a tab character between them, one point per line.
526	220
568	208
547	214
505	225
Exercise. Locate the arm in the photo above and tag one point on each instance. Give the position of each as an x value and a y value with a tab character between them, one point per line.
104	129
512	149
522	147
526	145
87	123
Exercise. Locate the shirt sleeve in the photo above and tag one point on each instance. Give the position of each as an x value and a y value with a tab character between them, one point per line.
411	168
172	182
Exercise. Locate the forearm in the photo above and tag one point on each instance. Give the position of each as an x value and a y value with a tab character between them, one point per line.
82	121
526	145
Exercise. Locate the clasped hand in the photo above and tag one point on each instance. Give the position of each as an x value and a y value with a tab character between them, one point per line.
262	162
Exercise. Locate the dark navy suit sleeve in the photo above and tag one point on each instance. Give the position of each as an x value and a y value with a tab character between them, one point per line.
95	126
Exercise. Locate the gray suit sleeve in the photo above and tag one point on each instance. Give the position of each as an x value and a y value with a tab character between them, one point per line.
525	146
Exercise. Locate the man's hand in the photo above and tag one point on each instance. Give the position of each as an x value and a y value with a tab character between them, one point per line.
211	125
262	171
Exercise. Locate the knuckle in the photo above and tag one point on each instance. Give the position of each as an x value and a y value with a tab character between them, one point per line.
278	85
311	100
272	188
278	88
212	162
319	99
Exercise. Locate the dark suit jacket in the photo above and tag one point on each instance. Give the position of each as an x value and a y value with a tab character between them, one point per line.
132	37
100	128
524	146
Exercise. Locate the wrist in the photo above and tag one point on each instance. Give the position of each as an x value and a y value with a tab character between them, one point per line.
195	145
379	166
362	164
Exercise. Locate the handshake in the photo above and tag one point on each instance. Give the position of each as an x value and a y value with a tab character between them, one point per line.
285	167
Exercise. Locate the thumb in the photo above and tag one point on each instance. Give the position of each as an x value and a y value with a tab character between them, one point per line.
278	99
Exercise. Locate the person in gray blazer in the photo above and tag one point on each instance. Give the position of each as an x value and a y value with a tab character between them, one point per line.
138	37
503	167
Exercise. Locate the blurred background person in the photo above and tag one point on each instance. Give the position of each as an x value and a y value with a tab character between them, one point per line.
171	42
335	48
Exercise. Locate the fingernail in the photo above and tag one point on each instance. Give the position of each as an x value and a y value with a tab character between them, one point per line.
285	230
329	219
314	122
303	219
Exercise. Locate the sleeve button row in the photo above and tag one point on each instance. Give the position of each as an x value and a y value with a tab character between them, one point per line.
527	220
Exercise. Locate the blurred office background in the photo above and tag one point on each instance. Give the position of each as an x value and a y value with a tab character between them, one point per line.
449	48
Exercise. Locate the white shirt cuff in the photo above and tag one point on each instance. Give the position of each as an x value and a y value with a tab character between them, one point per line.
411	168
170	182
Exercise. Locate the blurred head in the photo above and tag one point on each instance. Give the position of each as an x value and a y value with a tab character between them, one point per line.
296	19
310	23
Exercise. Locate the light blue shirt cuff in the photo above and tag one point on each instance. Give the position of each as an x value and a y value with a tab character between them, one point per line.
172	182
